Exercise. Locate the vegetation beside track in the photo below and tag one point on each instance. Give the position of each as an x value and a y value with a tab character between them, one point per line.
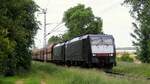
133	69
46	73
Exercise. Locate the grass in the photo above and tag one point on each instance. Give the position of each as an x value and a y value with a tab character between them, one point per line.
133	69
46	73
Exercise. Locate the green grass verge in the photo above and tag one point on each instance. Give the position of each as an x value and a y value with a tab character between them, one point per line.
133	69
46	73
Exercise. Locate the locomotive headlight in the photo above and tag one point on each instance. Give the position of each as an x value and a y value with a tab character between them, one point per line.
94	54
111	54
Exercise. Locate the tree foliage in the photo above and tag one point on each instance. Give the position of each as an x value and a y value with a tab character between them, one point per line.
126	57
54	39
17	29
80	21
140	10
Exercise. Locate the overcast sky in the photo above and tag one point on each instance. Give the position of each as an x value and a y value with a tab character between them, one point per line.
116	18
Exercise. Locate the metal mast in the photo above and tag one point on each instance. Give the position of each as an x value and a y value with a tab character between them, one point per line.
44	11
44	34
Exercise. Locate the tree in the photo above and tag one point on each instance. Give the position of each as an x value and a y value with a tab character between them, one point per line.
54	39
140	10
18	27
80	21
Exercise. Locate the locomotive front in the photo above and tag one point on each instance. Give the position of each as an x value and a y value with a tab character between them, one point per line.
103	50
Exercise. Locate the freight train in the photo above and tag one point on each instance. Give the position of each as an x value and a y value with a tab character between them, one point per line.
88	50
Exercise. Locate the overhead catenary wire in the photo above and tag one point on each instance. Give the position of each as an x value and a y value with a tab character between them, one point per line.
58	29
55	28
111	7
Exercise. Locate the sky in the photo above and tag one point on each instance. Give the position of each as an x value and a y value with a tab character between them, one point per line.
116	18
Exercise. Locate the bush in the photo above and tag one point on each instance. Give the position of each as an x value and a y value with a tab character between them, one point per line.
126	57
18	26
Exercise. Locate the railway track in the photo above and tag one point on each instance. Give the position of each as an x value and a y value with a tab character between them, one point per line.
123	75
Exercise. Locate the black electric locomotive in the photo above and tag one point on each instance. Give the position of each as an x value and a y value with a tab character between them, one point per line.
88	50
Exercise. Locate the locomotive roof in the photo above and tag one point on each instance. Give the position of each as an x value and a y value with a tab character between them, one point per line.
90	35
60	44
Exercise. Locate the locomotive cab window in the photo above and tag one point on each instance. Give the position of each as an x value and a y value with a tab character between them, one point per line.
101	46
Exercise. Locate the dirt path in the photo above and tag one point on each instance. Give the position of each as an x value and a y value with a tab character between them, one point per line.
42	82
19	82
